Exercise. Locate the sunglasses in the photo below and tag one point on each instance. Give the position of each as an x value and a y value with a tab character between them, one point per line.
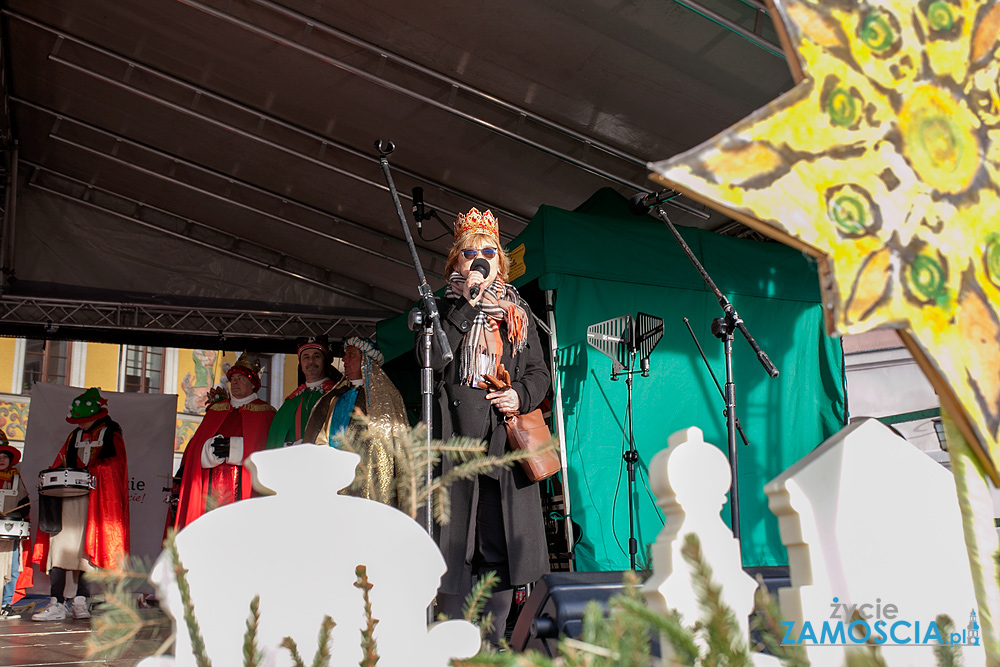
488	253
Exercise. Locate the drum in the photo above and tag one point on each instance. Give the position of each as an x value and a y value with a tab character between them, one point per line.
12	529
65	482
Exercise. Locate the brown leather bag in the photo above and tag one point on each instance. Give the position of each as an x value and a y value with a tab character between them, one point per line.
526	432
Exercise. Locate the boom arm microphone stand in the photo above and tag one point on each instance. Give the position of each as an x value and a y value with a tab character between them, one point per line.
724	328
429	318
725	413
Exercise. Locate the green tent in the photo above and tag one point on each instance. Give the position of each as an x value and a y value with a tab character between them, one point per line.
603	262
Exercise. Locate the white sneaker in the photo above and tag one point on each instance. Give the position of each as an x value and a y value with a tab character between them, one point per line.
56	611
80	609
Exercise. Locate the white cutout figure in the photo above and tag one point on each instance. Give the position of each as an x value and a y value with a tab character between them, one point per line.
690	480
870	520
298	550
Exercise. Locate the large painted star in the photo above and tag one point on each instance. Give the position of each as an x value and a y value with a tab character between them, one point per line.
884	162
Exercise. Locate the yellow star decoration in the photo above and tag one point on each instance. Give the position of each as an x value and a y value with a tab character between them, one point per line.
884	162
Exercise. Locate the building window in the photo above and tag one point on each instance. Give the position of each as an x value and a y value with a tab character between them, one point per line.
45	361
143	369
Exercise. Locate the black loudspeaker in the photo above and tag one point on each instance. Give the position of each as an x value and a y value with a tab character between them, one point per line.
555	608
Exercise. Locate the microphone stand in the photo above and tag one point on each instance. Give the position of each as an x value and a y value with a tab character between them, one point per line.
723	328
632	455
725	413
432	333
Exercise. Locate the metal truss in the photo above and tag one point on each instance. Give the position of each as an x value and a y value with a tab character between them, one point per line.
52	314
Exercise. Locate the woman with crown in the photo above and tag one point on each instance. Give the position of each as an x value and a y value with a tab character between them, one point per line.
496	518
232	429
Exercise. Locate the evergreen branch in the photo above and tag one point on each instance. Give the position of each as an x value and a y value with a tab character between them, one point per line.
947	655
322	657
115	629
630	640
480	594
766	620
866	657
368	644
252	654
293	648
197	641
724	644
680	638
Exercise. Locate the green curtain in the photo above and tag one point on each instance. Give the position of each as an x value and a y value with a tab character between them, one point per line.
603	263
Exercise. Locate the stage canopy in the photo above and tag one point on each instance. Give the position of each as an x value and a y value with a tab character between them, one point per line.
603	263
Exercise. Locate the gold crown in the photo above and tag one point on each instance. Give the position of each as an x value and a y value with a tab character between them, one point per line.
475	222
243	364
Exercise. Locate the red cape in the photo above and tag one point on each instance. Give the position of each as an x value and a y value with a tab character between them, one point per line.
107	538
257	417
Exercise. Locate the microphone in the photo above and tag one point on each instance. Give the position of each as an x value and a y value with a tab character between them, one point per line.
640	203
418	206
483	267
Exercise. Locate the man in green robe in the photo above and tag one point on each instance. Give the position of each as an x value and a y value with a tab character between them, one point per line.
316	377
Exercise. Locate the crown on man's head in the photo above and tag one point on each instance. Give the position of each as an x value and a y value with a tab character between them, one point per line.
475	222
245	367
246	364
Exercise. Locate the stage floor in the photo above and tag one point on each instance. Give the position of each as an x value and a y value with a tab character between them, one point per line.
25	643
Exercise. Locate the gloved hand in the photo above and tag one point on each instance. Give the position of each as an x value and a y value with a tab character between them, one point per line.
220	447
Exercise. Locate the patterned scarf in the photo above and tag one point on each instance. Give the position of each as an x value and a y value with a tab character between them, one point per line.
481	349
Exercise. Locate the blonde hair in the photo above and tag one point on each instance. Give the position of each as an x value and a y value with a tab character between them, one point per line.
478	241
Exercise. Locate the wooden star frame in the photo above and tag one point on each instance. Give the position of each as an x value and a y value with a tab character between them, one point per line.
883	162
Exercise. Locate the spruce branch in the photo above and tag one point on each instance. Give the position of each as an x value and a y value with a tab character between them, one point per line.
480	594
293	648
323	652
680	638
252	654
947	655
197	641
368	643
869	656
766	620
725	646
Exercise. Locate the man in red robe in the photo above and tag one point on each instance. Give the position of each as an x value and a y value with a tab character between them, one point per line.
77	534
233	428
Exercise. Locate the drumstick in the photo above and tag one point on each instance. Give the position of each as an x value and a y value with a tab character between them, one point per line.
15	508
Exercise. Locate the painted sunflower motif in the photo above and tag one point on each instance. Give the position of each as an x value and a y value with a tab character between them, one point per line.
884	162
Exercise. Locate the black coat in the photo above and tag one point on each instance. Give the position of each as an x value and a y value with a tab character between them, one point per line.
464	410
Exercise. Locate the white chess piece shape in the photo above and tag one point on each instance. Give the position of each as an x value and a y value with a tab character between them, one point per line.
298	550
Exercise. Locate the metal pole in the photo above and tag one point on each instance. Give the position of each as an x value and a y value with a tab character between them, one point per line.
558	421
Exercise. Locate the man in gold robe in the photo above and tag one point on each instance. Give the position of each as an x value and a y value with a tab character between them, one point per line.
365	387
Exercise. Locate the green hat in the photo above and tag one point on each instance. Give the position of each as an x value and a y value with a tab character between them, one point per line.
88	406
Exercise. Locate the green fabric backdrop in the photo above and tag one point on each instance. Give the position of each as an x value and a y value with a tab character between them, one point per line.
603	263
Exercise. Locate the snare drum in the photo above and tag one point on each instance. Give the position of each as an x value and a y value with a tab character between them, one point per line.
65	482
11	529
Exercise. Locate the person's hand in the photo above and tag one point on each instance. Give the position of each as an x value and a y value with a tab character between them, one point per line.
474	278
220	447
505	401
